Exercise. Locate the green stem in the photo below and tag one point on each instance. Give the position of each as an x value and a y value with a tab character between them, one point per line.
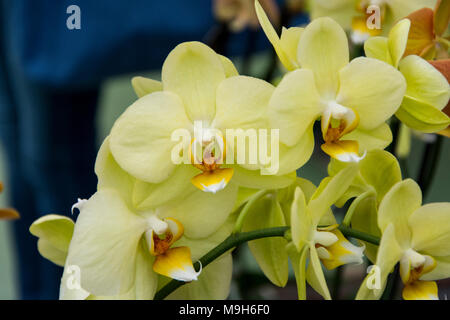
349	232
246	209
236	239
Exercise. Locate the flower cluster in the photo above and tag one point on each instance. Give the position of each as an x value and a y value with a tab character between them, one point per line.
187	164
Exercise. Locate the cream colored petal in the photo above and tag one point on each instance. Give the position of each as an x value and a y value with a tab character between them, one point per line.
421	116
70	288
146	281
430	226
242	103
105	243
323	48
253	179
389	254
140	140
202	213
373	89
330	190
54	233
294	106
398	37
193	71
378	48
378	138
143	86
441	271
272	36
289	41
365	219
301	221
228	66
293	158
381	170
110	174
200	246
152	195
315	276
298	260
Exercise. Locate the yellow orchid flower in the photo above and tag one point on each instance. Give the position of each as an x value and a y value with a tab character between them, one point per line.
353	15
315	236
353	100
55	233
427	91
417	237
158	240
8	213
426	37
199	89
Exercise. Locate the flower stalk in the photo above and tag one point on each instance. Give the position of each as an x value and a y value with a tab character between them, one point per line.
236	239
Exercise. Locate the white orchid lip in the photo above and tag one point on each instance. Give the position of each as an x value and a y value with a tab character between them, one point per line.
335	250
208	155
175	262
348	120
338	120
324	238
414	265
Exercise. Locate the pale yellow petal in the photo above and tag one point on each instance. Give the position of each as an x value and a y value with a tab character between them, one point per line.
193	71
398	37
105	243
324	49
272	36
202	213
425	82
315	276
242	103
389	254
430	226
143	86
294	106
397	206
378	48
140	140
54	233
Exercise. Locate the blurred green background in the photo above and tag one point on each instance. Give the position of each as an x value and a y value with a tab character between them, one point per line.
117	94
